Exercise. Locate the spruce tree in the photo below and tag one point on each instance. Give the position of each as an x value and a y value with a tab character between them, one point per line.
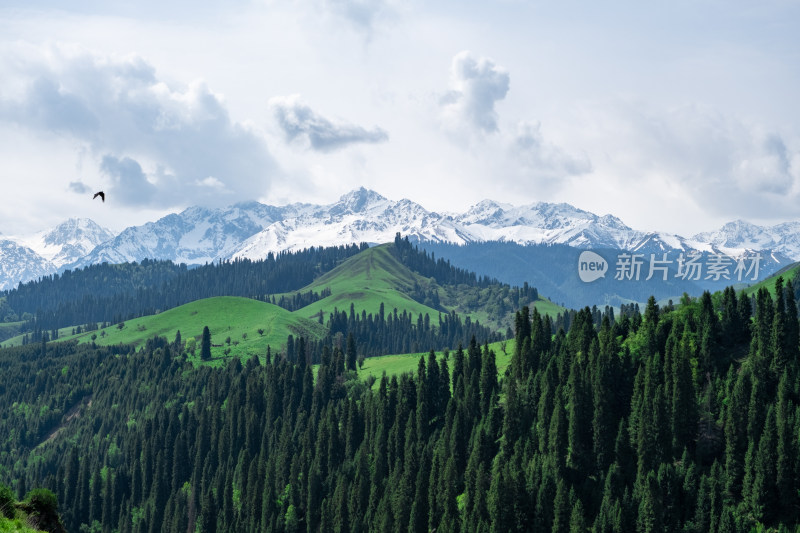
785	452
577	520
792	327
778	342
205	345
350	359
762	497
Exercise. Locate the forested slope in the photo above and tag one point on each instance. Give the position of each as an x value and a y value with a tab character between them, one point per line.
685	420
111	293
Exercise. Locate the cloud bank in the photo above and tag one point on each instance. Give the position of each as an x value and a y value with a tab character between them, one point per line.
545	158
298	121
155	143
695	157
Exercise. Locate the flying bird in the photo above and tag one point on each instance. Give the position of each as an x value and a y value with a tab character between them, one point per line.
101	194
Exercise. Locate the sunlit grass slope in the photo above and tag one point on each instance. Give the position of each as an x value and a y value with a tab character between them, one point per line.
546	307
788	273
226	316
394	365
16	525
370	278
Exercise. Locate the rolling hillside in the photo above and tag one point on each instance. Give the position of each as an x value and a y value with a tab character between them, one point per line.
370	278
373	278
788	273
226	316
376	276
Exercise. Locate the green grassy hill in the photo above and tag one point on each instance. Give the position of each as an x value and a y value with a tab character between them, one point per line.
397	364
367	280
546	307
226	316
9	329
372	277
788	273
375	276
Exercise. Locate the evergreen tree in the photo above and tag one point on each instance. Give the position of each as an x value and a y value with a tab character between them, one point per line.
205	345
350	359
763	493
577	521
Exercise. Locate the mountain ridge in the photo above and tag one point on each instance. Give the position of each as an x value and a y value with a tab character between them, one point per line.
251	230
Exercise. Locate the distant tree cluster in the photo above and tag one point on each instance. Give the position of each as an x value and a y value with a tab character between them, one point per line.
442	271
399	332
298	300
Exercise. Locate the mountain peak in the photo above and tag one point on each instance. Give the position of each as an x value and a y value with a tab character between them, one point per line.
612	222
740	224
68	241
485	212
75	230
360	199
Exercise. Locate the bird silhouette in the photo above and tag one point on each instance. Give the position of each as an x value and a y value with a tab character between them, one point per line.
101	194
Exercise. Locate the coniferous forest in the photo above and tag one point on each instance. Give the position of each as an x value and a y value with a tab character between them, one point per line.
685	419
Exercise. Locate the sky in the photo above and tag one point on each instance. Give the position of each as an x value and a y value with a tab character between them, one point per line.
674	116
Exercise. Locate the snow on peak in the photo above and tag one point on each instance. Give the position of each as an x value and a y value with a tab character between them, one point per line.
19	263
486	212
68	241
251	229
783	238
75	230
612	222
360	200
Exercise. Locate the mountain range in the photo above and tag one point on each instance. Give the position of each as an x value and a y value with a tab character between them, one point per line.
251	230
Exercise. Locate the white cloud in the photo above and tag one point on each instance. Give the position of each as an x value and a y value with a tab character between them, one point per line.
516	154
386	63
477	83
545	158
154	141
79	188
767	165
211	182
298	121
693	157
362	14
129	182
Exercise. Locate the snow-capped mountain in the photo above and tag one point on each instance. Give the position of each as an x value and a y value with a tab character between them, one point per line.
359	216
45	252
251	230
20	263
783	238
546	223
196	235
69	241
